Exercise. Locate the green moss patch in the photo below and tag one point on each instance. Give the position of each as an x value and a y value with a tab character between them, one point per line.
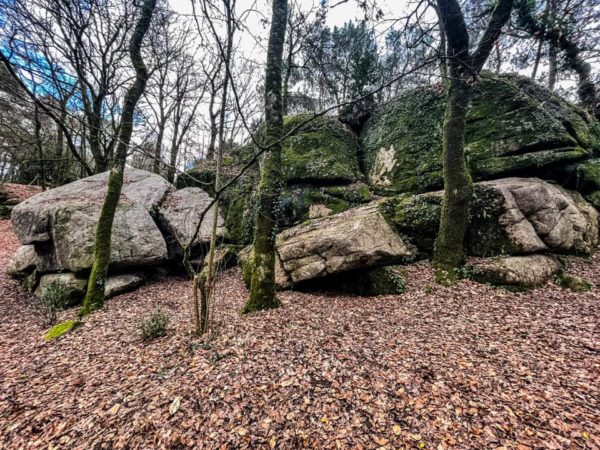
60	329
514	126
303	202
322	151
574	283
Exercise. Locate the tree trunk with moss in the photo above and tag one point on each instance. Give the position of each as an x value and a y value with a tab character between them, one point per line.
94	297
464	69
262	282
458	185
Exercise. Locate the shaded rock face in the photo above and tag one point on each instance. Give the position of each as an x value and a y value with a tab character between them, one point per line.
180	214
23	262
516	271
57	228
514	127
300	203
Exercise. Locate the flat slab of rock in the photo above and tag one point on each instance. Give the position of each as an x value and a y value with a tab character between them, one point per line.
357	238
516	271
119	284
181	212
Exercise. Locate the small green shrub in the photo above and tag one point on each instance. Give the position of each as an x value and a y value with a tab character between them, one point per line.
574	283
53	298
154	326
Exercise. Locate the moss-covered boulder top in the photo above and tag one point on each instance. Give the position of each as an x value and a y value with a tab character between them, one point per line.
514	127
323	151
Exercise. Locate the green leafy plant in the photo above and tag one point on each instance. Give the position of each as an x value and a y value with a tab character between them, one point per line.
54	297
154	326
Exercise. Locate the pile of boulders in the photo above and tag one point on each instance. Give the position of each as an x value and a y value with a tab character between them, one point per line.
153	223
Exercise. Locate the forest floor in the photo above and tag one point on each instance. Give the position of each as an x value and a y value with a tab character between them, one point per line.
435	368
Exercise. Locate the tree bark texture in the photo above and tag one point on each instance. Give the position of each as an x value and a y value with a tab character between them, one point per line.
262	284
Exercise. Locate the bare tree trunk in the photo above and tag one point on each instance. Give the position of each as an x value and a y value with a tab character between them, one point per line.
552	66
40	150
286	78
442	47
538	56
158	147
206	280
559	39
94	297
86	169
262	284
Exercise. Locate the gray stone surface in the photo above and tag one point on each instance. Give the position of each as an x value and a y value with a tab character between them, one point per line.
74	287
356	238
540	216
119	284
61	222
23	262
517	271
33	219
181	212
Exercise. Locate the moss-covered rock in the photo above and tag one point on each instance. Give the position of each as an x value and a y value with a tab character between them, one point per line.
508	216
324	151
304	202
514	126
417	217
574	283
582	176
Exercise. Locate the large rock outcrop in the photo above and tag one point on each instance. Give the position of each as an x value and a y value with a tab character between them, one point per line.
509	216
514	127
320	170
153	222
512	216
60	222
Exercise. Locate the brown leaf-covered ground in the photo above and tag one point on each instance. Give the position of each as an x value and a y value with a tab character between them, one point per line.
11	193
467	367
